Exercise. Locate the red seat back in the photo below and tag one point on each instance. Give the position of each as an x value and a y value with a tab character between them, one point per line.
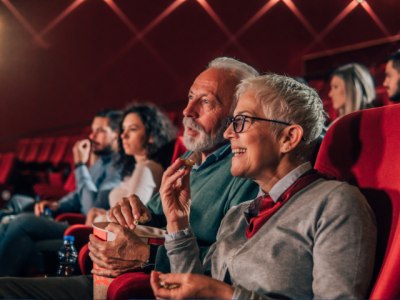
45	151
33	150
179	149
69	184
22	149
6	167
362	148
60	149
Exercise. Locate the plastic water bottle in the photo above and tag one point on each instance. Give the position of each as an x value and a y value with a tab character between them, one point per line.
48	214
67	256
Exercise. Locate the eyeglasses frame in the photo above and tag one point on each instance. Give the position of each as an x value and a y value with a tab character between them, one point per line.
230	121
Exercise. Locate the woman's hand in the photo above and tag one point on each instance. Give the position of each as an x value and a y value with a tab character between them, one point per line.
190	286
175	195
92	214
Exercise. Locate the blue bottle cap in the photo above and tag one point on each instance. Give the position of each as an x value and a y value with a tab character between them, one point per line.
47	211
69	238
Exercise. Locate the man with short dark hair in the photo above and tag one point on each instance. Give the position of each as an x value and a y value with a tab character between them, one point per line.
392	78
17	238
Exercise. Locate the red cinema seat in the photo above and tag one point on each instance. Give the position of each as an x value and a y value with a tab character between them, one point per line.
7	163
33	150
179	149
60	150
55	191
362	148
45	151
22	149
6	166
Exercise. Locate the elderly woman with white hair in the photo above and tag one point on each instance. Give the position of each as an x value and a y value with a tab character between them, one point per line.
302	237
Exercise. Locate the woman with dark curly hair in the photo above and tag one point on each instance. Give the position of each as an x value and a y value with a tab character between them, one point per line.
145	131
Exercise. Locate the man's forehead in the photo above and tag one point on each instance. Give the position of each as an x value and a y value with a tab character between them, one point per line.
215	81
207	80
100	122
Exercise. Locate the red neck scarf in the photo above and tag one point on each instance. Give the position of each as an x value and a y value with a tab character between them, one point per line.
263	207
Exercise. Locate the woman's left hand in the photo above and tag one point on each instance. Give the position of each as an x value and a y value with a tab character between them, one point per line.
191	286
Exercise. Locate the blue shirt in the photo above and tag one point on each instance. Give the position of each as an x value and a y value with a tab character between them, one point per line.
212	158
92	186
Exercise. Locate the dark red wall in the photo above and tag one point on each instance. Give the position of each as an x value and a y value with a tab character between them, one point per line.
86	62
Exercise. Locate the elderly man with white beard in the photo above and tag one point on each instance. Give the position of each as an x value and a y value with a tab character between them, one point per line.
214	191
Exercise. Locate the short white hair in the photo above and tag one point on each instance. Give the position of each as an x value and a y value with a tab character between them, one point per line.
284	99
241	69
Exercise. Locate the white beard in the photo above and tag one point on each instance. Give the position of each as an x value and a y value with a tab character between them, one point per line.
204	141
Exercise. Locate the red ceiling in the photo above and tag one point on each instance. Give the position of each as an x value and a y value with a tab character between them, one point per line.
61	61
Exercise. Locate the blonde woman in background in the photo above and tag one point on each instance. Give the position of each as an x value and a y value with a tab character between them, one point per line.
352	89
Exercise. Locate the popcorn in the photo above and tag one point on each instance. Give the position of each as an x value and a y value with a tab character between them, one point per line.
189	163
142	219
169	286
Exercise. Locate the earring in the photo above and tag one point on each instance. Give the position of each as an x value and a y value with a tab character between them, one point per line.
286	148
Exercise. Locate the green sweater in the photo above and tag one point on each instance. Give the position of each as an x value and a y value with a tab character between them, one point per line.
214	191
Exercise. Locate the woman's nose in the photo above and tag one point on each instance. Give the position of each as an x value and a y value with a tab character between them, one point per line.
229	132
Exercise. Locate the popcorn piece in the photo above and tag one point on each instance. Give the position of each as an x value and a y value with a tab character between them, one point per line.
169	286
189	163
142	219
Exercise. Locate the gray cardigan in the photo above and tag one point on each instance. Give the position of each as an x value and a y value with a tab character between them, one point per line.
320	244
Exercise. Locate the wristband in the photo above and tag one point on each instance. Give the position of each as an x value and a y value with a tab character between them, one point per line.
151	262
79	164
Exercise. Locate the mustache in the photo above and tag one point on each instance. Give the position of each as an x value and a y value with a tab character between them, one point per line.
93	142
192	124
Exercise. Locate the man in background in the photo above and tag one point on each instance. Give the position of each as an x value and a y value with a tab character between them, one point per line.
392	78
92	189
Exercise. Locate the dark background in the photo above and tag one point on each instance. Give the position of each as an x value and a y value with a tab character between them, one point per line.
107	54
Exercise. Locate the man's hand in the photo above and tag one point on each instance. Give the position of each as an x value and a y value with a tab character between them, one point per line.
127	210
40	206
81	151
93	213
189	286
175	195
125	254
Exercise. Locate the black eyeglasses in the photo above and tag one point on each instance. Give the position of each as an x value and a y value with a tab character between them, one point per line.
240	123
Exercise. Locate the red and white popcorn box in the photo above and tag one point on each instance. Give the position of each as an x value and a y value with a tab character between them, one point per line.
149	235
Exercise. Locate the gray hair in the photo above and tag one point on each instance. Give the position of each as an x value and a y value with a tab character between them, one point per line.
240	69
284	99
359	87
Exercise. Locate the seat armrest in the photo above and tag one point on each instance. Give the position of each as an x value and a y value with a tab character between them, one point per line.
131	285
81	234
72	219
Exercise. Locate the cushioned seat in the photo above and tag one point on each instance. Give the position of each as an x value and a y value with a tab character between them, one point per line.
362	148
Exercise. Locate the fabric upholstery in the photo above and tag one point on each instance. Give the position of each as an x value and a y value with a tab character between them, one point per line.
362	148
85	261
71	218
179	149
81	234
131	286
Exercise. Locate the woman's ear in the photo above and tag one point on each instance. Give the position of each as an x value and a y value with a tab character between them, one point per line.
151	140
291	137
